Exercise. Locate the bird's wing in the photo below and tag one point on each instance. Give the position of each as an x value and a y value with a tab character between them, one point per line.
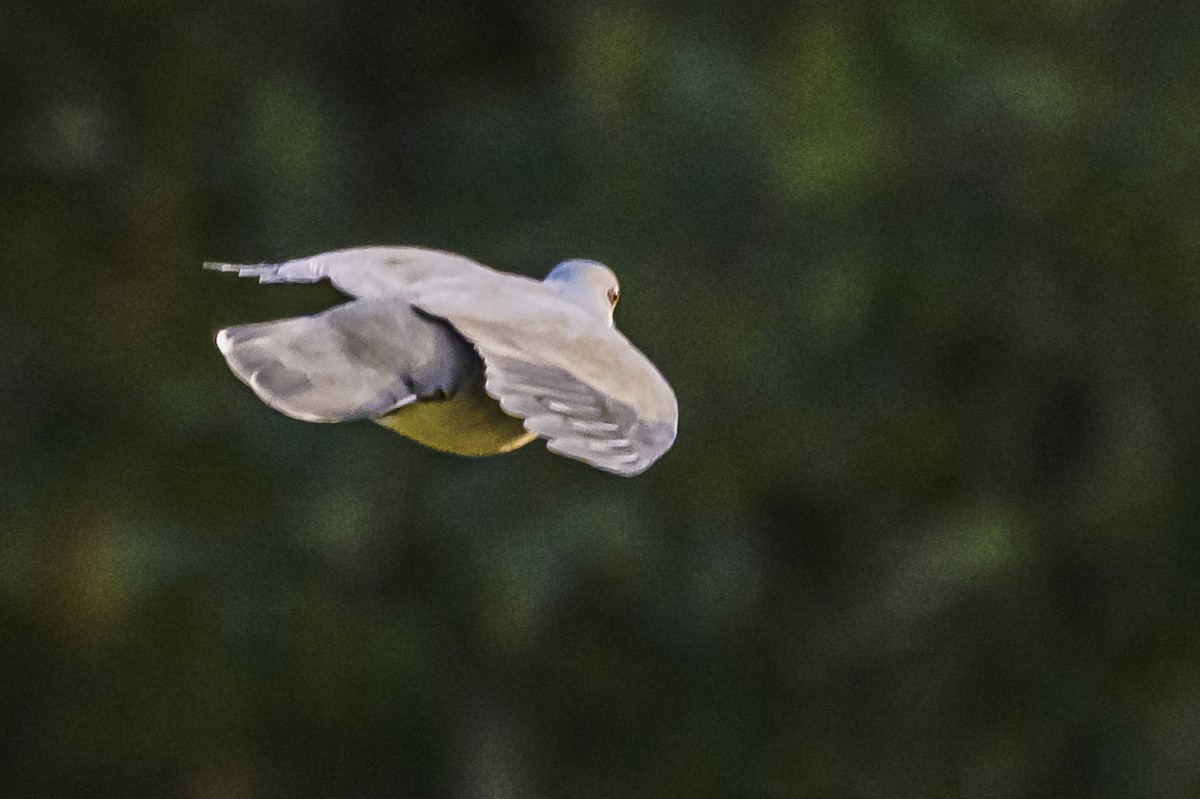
573	380
359	360
368	271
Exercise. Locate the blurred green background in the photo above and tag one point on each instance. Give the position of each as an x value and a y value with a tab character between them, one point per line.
923	275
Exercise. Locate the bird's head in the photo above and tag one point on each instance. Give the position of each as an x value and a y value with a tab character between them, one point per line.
588	284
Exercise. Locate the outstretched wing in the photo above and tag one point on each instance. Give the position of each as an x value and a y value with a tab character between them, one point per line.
359	360
368	271
578	419
573	380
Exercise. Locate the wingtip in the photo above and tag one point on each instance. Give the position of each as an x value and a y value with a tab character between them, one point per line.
265	273
629	465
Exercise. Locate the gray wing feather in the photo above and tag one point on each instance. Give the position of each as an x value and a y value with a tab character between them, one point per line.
359	360
367	271
578	420
572	380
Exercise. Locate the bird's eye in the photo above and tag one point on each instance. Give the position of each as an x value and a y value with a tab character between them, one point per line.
614	294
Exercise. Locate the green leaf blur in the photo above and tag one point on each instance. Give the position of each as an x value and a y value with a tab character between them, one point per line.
924	278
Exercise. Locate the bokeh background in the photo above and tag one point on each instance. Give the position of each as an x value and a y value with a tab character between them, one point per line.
923	275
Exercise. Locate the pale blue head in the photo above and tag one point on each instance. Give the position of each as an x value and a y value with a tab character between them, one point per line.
588	284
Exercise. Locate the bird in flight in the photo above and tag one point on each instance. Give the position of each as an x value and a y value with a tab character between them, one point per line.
460	357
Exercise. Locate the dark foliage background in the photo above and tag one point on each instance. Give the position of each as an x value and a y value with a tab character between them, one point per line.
924	276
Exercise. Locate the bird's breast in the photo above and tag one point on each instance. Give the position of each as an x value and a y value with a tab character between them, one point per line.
468	422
